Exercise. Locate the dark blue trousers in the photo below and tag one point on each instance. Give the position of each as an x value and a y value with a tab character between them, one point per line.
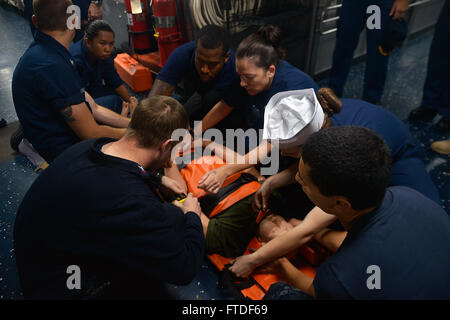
353	19
112	102
284	291
436	91
106	97
411	172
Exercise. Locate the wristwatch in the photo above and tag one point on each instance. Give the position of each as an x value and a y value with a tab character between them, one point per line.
96	1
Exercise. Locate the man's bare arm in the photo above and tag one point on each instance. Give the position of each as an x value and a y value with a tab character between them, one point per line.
106	116
173	173
314	221
219	112
295	277
81	121
212	180
122	92
161	88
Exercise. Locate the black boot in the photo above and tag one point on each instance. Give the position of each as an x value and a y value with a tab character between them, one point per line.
443	126
422	113
16	137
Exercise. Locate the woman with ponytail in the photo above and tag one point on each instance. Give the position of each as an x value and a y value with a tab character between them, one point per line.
95	65
263	73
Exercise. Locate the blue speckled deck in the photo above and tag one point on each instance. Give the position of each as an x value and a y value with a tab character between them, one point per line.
16	177
402	93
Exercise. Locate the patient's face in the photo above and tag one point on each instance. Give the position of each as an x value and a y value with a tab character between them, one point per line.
273	226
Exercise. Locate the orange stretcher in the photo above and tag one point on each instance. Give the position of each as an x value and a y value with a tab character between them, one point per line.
256	286
235	188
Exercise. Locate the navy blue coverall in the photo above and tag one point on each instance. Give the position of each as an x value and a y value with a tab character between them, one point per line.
352	21
436	91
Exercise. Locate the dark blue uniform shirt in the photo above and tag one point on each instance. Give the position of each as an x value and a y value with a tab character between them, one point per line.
181	67
94	76
407	238
387	125
408	168
44	82
102	214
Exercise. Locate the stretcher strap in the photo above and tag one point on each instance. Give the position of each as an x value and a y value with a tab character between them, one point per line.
243	192
261	215
210	201
241	289
226	280
256	287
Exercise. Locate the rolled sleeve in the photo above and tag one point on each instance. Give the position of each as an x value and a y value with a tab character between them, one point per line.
177	64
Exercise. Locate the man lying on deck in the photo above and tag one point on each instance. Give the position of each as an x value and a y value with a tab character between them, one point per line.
230	232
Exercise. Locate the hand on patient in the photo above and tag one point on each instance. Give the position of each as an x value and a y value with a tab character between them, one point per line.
243	266
190	204
212	181
172	185
274	267
270	227
261	199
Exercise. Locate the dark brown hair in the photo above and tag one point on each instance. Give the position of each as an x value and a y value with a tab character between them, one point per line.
51	15
349	161
262	47
330	103
95	26
155	119
213	37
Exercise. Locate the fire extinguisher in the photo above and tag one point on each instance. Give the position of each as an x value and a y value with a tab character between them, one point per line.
139	26
167	28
